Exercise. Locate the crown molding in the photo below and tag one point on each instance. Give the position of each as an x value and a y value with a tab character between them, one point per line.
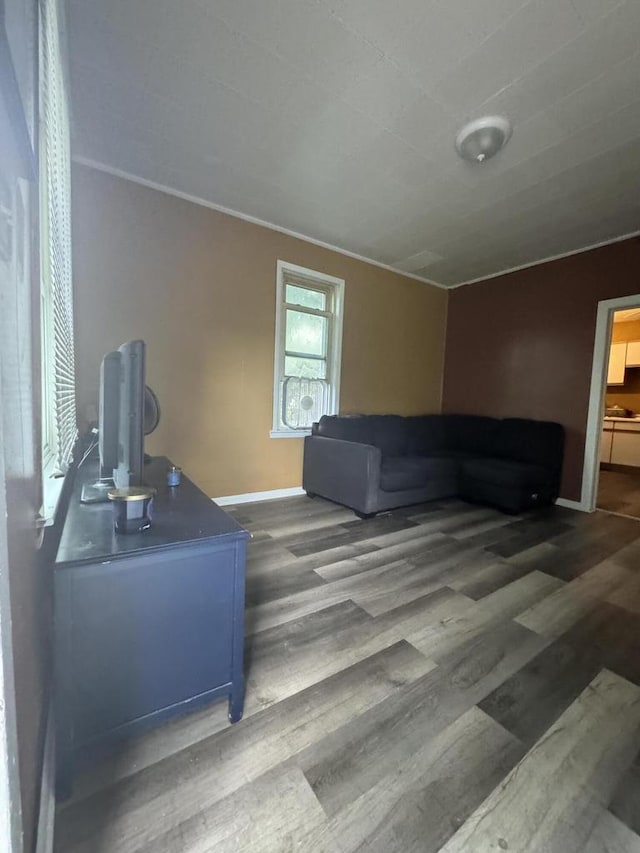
118	173
559	257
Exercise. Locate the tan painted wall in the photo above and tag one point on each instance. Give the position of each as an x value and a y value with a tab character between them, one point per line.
199	287
627	395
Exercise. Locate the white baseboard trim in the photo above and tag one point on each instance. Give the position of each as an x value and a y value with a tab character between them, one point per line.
577	505
47	811
251	497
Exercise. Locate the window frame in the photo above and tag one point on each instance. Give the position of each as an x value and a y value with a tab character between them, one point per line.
334	287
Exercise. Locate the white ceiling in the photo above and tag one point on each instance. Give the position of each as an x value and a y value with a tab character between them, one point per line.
336	118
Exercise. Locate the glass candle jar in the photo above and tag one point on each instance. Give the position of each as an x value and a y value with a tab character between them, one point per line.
132	508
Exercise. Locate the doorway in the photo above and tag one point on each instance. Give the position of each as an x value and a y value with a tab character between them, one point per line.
611	475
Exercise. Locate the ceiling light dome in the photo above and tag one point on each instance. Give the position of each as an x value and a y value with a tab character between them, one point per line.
482	138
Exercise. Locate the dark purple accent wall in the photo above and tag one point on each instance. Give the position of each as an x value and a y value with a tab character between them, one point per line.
521	344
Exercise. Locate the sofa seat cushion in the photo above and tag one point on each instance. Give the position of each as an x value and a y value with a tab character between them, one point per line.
503	472
412	472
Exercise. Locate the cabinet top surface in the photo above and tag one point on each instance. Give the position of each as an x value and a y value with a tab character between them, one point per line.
181	515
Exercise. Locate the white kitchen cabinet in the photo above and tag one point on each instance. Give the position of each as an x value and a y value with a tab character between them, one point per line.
625	446
606	440
633	354
617	364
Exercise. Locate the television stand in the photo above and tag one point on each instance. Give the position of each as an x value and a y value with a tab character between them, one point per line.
147	625
96	492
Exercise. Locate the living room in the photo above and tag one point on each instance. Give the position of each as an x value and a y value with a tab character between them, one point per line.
442	199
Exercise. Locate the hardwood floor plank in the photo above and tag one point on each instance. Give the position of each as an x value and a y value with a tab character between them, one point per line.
336	554
292	656
498	524
613	634
348	534
385	579
629	555
556	613
409	546
611	836
261	589
437	638
490	578
627	595
529	532
277	812
418	803
550	799
458	522
625	804
353	759
587	545
195	778
452	563
529	702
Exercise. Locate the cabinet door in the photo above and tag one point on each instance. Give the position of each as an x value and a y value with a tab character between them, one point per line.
633	354
617	363
625	449
148	633
606	440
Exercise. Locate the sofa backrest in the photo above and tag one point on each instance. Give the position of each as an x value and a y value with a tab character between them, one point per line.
520	439
471	434
388	432
358	428
535	442
425	434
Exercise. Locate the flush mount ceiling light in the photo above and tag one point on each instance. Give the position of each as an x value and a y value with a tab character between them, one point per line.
482	138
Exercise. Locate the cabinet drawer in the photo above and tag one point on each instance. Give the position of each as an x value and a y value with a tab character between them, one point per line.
606	440
625	448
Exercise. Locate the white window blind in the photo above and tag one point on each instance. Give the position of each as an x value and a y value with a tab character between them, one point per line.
308	348
59	426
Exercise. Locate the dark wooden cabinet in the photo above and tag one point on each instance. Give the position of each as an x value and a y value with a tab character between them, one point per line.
147	625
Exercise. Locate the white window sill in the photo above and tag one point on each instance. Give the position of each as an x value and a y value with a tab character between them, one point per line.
289	433
52	489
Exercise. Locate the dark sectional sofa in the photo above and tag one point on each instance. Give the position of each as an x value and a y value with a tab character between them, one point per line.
372	463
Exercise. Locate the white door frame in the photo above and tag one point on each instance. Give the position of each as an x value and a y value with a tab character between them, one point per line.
591	468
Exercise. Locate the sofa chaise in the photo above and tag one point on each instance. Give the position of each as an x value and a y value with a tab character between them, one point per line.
372	463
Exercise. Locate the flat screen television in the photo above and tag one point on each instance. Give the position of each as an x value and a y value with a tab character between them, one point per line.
120	421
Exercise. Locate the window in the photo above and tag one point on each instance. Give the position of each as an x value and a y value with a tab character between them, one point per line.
308	348
59	429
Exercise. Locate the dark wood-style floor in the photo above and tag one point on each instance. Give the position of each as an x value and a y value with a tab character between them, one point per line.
619	491
443	677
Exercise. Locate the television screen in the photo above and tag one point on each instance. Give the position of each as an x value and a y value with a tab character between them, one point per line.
121	422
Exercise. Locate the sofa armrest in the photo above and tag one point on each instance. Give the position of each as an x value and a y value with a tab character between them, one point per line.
343	471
